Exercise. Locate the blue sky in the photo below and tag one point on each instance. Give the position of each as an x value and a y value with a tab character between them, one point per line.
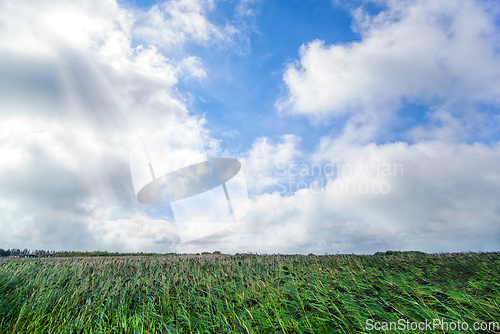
279	85
244	85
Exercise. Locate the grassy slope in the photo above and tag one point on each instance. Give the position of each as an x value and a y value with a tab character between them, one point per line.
244	293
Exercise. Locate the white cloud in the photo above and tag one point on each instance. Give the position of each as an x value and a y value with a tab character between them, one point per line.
420	51
77	98
37	29
260	161
193	67
134	233
450	129
176	21
443	198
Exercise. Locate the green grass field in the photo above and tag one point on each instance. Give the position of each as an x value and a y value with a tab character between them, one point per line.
248	293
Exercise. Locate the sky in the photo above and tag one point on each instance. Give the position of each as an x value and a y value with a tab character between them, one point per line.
361	127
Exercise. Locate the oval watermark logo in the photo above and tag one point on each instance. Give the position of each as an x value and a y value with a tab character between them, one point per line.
172	168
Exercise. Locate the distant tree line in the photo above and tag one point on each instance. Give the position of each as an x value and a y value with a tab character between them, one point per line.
41	253
17	251
101	253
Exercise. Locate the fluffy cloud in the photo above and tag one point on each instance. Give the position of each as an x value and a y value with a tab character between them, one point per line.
432	52
261	160
174	22
432	196
77	98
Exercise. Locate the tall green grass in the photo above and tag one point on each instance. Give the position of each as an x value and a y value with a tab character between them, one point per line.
245	293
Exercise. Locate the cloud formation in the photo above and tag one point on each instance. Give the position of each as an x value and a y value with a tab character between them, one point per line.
440	53
261	160
174	22
435	197
83	82
78	97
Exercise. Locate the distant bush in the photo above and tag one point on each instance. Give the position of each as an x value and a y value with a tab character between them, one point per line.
389	252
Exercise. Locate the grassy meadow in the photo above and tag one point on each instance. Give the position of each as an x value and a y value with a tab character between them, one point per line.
247	293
